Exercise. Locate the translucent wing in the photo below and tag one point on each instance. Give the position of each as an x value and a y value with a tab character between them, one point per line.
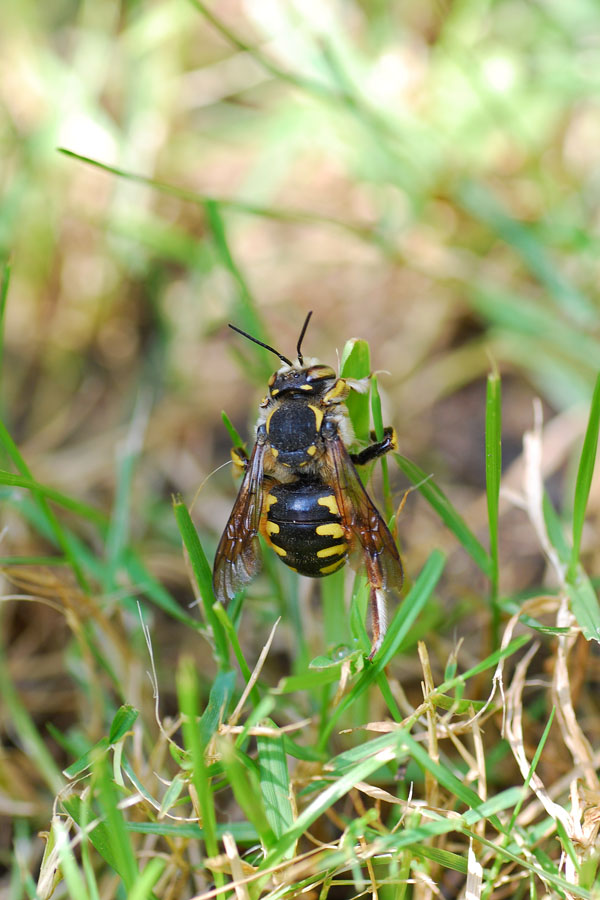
364	528
238	555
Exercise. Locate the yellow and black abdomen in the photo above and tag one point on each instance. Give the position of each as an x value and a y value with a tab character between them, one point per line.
304	527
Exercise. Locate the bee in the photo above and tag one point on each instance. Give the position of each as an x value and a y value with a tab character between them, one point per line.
301	490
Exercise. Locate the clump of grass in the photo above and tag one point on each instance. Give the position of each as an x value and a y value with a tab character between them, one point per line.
461	759
282	789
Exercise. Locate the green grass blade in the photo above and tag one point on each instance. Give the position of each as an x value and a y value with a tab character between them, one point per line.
379	427
4	285
118	836
25	731
243	780
480	201
118	529
447	513
146	582
221	692
493	472
142	889
188	694
554	529
122	723
584	477
392	747
275	784
356	364
245	311
236	439
58	533
81	509
585	606
69	868
203	576
397	632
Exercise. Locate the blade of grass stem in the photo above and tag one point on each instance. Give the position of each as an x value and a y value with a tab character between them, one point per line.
189	704
291	216
584	478
118	837
234	434
447	513
378	426
391	748
203	576
243	780
142	889
485	206
26	732
356	364
4	285
245	312
275	784
48	514
396	633
493	472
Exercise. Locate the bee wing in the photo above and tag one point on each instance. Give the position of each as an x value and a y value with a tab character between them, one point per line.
237	559
362	521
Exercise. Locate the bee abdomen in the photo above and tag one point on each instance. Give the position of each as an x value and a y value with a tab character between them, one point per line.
304	527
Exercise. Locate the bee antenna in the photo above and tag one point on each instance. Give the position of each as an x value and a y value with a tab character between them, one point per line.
283	358
301	338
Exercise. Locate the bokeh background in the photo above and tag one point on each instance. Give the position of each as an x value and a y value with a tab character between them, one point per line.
424	175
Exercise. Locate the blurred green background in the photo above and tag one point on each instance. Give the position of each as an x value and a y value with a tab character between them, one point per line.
424	175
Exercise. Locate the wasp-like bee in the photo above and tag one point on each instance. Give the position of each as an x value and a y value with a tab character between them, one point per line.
302	492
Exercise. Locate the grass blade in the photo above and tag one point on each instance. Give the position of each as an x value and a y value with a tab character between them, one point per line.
585	606
356	364
493	472
188	693
275	784
584	478
203	576
397	631
447	513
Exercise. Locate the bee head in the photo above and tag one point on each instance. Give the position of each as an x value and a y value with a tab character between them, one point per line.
313	378
290	377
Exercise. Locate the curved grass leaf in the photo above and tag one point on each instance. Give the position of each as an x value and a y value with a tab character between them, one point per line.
447	513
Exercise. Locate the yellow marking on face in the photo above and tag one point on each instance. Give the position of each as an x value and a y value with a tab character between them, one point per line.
331	529
279	550
318	415
306	387
272	528
311	450
336	550
272	379
274	452
274	392
271	499
330	503
339	391
325	570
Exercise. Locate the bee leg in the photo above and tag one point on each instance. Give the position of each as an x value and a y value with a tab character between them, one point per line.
371	452
240	458
378	619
